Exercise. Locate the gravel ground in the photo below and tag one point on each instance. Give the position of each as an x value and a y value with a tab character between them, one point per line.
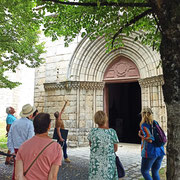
129	155
76	170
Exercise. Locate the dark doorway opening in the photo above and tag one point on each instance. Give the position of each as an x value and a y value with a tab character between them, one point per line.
124	110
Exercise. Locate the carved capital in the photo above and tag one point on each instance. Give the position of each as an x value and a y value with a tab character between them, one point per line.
152	81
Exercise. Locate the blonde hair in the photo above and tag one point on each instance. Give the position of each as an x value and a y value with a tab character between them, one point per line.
146	116
100	118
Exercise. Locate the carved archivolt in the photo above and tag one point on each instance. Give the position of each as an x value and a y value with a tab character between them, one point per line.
152	81
68	85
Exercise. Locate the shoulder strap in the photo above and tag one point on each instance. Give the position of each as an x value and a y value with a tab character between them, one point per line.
152	128
37	157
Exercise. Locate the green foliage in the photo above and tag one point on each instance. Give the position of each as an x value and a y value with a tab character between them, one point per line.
19	29
4	82
68	21
3	146
20	23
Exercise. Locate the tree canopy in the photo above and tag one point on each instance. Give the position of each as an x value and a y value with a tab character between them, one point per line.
19	29
20	22
101	18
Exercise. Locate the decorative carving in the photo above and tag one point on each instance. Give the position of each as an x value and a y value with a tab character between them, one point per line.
121	68
68	85
152	81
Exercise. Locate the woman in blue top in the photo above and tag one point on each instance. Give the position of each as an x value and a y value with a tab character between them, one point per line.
152	156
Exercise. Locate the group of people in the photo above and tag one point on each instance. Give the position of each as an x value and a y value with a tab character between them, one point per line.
39	157
103	145
28	139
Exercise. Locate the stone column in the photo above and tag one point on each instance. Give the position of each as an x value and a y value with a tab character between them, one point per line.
152	96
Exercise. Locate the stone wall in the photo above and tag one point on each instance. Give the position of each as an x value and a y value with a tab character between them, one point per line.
39	93
85	98
76	74
54	69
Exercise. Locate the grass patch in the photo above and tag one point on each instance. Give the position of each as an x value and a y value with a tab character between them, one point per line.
3	138
3	147
162	174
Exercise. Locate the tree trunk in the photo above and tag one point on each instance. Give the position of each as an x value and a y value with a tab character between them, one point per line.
169	21
171	89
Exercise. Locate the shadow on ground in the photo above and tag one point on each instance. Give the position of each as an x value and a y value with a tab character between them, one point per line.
76	170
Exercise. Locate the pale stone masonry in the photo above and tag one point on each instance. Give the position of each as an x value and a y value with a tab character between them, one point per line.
77	74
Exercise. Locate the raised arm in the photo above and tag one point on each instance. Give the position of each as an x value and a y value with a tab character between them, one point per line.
62	110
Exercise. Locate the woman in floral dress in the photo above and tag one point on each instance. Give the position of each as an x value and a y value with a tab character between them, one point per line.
103	142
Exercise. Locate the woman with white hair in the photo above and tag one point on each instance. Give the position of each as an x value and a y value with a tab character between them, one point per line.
152	156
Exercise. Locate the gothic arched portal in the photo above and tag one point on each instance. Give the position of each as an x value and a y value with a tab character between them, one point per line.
123	99
90	78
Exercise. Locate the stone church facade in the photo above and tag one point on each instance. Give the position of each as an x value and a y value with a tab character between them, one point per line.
120	82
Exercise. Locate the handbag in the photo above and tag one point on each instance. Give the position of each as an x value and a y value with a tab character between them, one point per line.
64	134
37	157
120	168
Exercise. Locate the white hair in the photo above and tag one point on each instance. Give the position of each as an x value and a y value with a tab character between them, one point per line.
8	109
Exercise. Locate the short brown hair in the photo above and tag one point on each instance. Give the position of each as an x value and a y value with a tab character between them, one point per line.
56	114
41	123
100	118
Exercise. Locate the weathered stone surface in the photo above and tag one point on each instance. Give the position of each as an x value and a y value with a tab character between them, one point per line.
76	74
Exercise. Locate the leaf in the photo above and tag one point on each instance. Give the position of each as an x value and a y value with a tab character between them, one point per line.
19	37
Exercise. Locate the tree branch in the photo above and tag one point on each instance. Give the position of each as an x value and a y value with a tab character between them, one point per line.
101	4
157	22
158	28
132	21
